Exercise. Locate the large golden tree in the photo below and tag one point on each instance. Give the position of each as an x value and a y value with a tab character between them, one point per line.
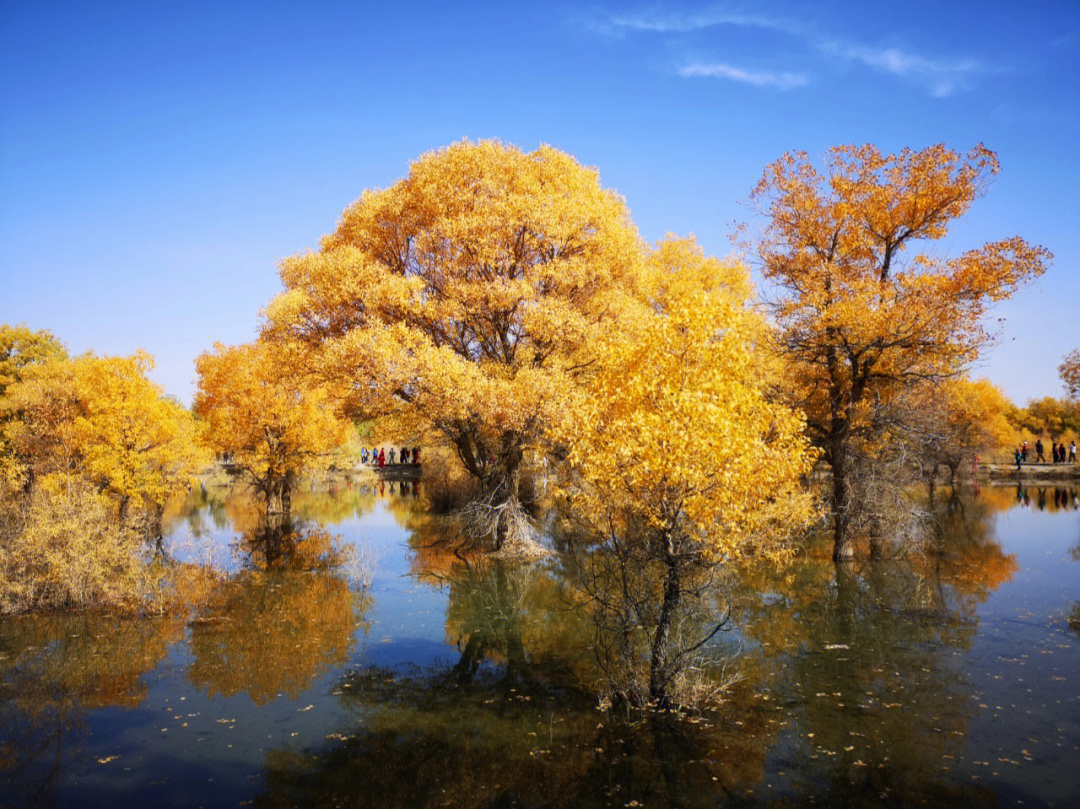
466	299
862	312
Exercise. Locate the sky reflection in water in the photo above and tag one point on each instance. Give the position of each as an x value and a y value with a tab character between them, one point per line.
947	678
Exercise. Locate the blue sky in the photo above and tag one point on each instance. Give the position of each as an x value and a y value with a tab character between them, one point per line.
158	159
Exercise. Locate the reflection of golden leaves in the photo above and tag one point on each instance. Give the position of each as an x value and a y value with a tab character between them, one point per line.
63	661
283	628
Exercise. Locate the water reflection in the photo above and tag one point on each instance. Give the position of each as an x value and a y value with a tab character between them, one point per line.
54	670
1048	497
290	615
869	662
416	742
273	632
860	685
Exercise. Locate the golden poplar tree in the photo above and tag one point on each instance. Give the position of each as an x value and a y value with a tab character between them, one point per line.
465	300
679	463
21	346
95	450
261	410
860	311
102	419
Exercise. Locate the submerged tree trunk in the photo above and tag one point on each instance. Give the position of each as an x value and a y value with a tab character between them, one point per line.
659	664
497	513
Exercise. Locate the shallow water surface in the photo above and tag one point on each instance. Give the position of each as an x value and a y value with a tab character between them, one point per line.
953	677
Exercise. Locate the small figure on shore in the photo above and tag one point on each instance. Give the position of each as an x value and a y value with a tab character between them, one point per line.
391	454
1023	452
382	459
1019	458
374	455
363	455
1039	457
416	456
1072	452
404	456
1054	451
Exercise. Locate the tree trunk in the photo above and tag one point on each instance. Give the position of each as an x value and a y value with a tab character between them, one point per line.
659	674
878	543
843	546
286	488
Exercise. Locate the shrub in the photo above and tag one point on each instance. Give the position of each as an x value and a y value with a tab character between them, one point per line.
63	546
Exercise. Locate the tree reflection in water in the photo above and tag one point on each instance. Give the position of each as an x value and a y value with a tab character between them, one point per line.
514	719
291	615
855	687
869	663
56	668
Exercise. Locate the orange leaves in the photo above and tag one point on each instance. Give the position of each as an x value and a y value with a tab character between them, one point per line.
858	309
101	418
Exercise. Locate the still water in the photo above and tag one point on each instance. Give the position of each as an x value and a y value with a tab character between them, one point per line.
950	678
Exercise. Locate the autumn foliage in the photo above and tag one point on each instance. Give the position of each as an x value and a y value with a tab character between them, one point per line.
1070	373
861	313
465	300
268	417
92	451
678	461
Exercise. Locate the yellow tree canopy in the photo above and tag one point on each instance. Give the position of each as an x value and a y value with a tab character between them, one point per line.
860	312
21	346
838	245
101	418
676	432
258	407
978	414
467	297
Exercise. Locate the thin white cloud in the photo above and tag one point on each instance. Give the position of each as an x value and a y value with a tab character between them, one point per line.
680	23
781	81
940	76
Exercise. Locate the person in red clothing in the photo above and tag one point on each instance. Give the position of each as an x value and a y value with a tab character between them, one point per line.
382	458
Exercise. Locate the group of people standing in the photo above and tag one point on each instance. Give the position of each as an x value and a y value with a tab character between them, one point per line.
1059	452
380	457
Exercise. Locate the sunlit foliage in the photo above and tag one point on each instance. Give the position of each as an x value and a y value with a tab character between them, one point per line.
21	346
66	547
100	418
1057	419
465	299
955	421
859	311
678	460
267	417
92	452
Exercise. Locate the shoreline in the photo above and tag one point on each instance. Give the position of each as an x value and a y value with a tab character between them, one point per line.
1061	472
